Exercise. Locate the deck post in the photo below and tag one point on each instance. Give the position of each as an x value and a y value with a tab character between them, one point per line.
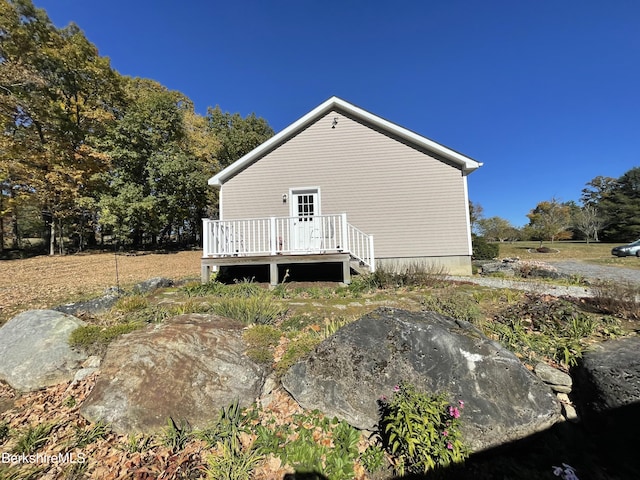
273	240
273	274
205	273
372	258
346	271
206	236
345	233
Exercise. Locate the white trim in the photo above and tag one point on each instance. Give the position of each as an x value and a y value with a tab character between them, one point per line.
466	164
468	216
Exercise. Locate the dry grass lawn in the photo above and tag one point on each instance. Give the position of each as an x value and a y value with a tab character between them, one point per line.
42	282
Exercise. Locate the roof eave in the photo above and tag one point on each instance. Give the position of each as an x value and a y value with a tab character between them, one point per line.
466	164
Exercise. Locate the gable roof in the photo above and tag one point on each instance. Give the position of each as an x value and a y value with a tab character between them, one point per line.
466	164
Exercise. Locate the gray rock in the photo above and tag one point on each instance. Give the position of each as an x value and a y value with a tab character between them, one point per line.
554	377
152	284
188	368
35	351
350	371
608	376
94	305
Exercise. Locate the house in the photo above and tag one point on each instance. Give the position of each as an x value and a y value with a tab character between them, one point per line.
342	185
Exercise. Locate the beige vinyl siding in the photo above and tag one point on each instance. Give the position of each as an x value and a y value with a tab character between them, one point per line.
412	203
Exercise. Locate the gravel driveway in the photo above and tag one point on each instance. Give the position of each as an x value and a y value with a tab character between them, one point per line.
597	272
570	267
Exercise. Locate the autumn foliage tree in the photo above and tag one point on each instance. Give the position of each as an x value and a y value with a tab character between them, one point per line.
550	220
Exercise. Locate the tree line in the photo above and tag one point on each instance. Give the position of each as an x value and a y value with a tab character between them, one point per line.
609	210
88	154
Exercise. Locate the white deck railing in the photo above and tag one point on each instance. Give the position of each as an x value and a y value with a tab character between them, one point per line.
287	236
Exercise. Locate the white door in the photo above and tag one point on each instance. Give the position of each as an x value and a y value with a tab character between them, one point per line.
305	228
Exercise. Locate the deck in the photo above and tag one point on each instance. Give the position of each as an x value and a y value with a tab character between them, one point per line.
276	241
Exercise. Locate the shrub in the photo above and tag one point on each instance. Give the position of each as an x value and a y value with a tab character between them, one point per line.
412	275
539	327
421	431
617	298
483	250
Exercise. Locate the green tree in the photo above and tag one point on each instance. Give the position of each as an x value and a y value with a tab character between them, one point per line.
621	208
497	228
60	102
162	154
550	220
237	135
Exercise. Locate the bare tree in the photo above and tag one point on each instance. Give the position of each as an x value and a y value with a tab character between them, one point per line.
589	221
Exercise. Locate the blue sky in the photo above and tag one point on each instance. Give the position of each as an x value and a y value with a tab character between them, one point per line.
546	93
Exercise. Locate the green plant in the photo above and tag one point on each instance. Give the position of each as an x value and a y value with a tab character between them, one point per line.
232	464
138	443
457	305
34	438
617	298
373	458
259	308
29	473
261	341
131	303
298	347
69	402
421	431
82	438
176	435
4	431
227	428
95	338
412	275
483	250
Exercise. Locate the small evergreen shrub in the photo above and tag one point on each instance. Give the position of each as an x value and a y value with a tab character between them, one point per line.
483	250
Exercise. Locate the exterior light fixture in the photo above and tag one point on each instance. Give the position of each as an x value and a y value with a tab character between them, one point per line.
284	198
335	122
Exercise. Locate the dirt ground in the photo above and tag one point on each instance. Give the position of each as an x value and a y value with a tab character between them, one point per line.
44	281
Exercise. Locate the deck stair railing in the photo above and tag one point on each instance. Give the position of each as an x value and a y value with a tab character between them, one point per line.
287	236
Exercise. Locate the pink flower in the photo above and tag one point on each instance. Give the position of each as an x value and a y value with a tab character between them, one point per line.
449	446
383	398
461	403
396	388
454	412
445	432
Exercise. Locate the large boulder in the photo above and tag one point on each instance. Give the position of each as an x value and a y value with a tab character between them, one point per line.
347	374
35	351
607	394
187	368
608	376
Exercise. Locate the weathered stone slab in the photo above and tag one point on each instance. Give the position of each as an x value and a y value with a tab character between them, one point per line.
187	368
350	371
35	351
